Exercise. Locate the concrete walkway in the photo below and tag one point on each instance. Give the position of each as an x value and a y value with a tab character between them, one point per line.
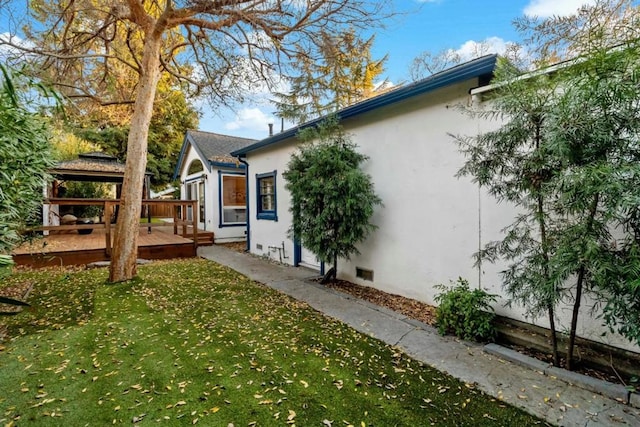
544	396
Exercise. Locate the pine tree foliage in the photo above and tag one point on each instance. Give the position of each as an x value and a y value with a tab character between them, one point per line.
332	199
340	74
568	155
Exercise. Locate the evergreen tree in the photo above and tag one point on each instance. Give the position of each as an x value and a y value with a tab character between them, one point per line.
513	164
568	155
332	199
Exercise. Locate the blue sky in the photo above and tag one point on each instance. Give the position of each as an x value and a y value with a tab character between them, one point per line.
424	25
428	25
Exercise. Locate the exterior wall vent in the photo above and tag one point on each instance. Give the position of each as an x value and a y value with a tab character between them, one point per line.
259	246
364	274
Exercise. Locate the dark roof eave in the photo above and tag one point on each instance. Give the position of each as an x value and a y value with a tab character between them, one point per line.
476	68
82	172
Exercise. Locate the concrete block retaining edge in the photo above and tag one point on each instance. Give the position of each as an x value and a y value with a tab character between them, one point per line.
605	388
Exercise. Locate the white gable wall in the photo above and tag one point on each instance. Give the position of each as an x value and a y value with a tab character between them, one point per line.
212	197
432	222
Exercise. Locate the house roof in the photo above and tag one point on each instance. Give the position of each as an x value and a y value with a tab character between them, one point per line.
481	67
213	147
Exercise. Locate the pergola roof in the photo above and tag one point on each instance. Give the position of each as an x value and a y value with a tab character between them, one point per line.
92	167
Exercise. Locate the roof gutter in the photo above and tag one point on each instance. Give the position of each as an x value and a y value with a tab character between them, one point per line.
478	67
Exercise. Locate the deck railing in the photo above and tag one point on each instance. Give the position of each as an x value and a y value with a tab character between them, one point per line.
179	208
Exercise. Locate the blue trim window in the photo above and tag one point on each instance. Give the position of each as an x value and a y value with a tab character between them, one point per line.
266	196
232	199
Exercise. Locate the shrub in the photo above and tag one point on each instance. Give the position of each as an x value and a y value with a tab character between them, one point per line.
466	313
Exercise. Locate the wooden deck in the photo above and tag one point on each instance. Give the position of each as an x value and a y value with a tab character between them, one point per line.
70	248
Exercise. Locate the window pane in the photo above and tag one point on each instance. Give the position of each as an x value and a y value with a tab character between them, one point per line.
267	202
266	186
234	215
234	190
195	167
201	217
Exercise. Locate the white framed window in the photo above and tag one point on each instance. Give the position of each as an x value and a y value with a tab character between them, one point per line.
233	199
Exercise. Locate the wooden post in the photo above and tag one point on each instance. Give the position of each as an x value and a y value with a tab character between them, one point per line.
175	218
107	227
195	226
184	219
148	216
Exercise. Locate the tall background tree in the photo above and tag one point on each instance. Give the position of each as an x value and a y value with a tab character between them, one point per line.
568	155
332	199
428	63
218	48
341	73
108	127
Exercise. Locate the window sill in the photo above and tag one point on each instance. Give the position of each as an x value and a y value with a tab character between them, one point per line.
271	216
243	224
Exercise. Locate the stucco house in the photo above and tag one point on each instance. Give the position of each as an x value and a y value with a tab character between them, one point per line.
210	175
432	222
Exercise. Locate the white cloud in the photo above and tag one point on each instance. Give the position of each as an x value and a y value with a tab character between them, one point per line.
548	8
8	39
473	49
252	119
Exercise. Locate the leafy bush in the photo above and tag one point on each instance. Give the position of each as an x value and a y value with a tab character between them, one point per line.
25	157
466	313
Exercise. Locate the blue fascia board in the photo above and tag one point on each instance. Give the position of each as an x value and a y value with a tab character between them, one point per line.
476	68
229	165
188	140
183	152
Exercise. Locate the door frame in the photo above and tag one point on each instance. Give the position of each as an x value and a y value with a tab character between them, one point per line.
297	255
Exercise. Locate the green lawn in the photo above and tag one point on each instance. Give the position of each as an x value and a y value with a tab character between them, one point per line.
154	220
195	342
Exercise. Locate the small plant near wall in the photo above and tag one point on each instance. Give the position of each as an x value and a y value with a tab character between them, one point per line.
464	312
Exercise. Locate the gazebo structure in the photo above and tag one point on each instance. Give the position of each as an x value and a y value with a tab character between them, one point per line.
88	167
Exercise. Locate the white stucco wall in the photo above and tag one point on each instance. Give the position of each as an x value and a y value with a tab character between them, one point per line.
432	222
267	233
212	198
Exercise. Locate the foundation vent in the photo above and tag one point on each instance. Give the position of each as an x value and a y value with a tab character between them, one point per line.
259	246
364	274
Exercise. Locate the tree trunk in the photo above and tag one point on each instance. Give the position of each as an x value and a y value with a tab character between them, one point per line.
554	337
332	274
545	254
574	318
579	286
125	245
